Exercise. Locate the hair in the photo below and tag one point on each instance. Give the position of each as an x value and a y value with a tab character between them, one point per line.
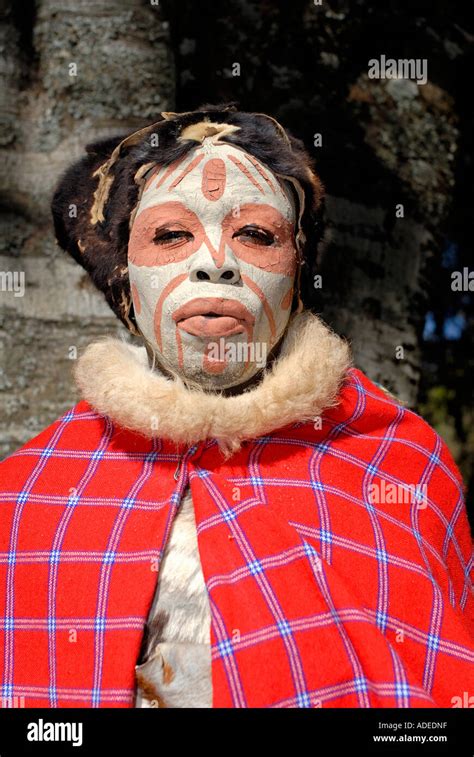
96	197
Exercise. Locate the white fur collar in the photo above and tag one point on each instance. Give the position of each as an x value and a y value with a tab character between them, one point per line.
114	377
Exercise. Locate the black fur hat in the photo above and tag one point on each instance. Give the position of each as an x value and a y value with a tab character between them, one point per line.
95	199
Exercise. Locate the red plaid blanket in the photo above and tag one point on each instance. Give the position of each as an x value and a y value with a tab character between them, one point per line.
336	557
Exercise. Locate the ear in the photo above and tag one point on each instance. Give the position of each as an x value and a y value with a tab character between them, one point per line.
87	240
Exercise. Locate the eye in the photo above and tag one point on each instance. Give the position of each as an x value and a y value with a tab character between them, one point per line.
170	236
254	235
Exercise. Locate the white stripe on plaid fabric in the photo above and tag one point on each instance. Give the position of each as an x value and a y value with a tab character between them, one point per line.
66	556
65	624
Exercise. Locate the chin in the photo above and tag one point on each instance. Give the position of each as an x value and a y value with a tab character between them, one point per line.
233	375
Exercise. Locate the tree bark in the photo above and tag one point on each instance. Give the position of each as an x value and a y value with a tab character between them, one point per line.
75	71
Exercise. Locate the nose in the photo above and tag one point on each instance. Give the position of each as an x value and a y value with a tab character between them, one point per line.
204	268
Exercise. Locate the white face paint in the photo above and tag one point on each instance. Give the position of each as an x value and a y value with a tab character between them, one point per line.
212	261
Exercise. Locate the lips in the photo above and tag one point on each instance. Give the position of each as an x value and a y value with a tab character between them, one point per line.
211	317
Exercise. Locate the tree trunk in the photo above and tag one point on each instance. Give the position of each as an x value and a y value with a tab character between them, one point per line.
75	71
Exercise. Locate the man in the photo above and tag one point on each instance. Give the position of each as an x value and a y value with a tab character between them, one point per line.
233	515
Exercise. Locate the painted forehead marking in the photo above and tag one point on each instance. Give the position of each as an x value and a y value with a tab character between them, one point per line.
209	171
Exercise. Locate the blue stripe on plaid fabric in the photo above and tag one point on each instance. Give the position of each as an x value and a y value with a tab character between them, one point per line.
96	694
418	496
73	500
7	690
51	624
11	558
98	454
225	648
84	454
70	415
309	550
433	641
325	536
318	486
255	567
100	623
128	502
201	473
54	556
229	515
9	623
372	468
47	452
381	618
22	497
402	690
109	557
360	684
449	530
256	480
284	628
382	556
303	700
152	456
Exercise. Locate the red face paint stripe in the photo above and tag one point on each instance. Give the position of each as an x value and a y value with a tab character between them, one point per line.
179	345
266	307
261	171
170	287
136	299
186	171
172	168
213	367
246	172
287	298
213	179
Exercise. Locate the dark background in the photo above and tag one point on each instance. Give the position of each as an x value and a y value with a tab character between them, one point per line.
386	280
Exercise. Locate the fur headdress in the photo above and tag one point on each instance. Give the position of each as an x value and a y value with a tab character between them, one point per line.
94	203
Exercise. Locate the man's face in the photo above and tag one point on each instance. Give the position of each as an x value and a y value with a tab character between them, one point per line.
212	262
